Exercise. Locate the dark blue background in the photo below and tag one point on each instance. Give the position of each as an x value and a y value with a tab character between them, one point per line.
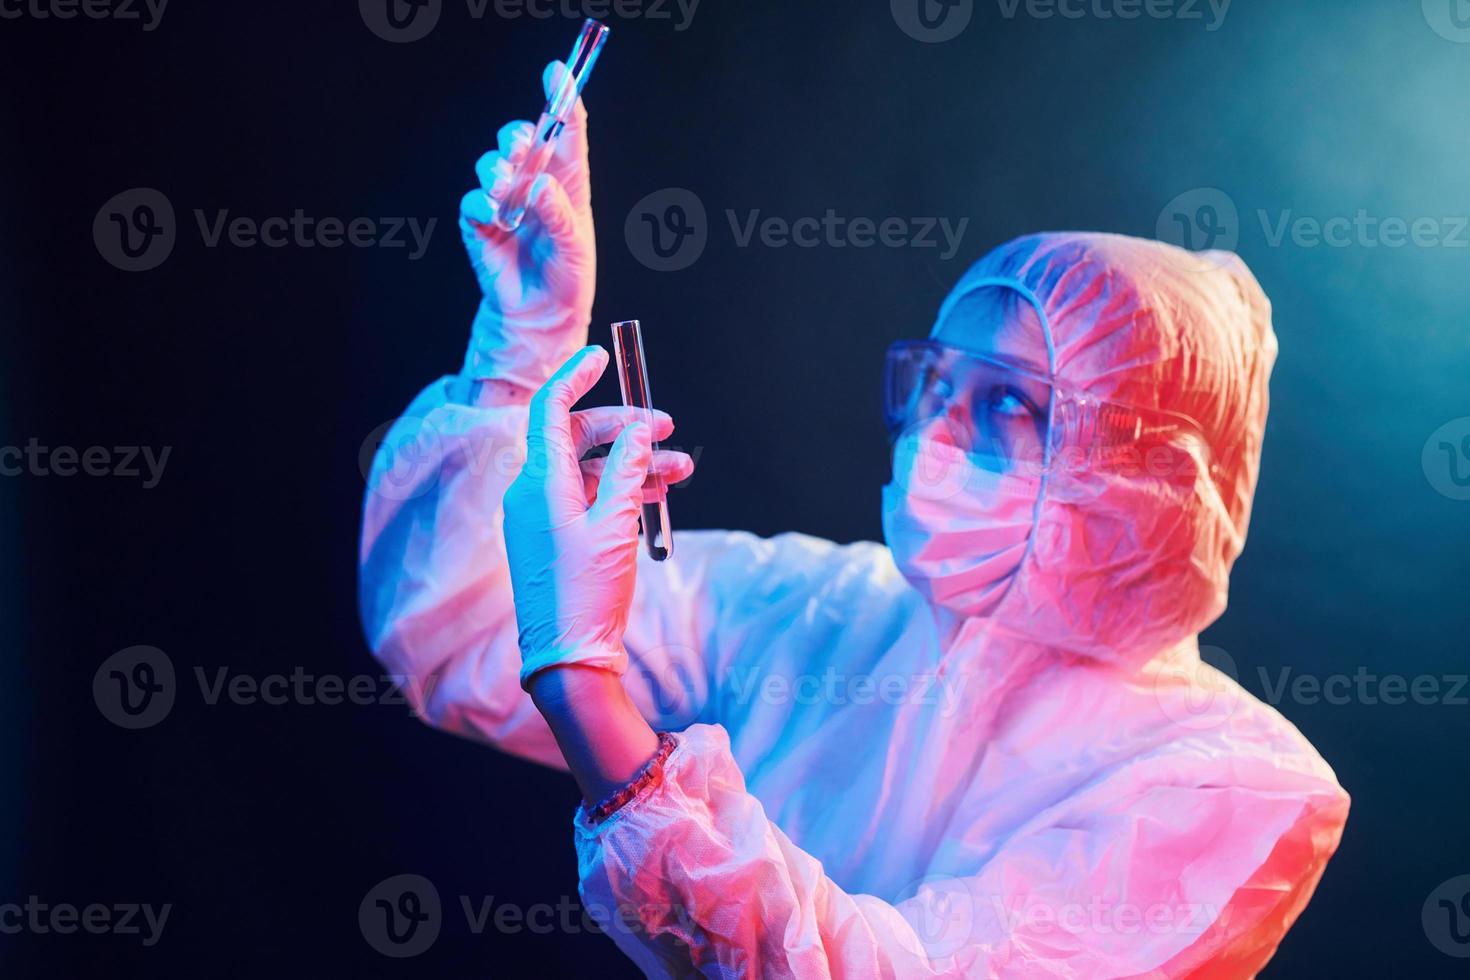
266	370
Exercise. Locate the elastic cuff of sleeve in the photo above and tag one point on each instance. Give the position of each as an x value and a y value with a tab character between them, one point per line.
647	778
694	775
614	661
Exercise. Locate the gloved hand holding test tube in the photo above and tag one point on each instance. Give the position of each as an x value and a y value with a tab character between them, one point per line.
511	210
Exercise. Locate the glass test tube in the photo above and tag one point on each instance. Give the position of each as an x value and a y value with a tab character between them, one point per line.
658	533
511	211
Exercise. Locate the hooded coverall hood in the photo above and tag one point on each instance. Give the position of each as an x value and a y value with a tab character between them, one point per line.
1118	564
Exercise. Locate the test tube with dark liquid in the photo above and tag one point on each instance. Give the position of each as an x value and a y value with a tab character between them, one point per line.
658	533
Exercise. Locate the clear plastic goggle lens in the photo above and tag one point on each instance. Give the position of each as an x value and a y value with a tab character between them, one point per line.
1008	417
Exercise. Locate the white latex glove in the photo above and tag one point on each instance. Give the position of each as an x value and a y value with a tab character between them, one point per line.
571	528
537	282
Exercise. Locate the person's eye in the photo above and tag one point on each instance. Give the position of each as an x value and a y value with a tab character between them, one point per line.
1010	402
936	388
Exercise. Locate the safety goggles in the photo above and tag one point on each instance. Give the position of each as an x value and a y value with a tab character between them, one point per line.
1006	417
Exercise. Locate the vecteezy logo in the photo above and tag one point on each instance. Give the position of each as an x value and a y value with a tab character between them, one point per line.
134	688
401	459
944	914
667	230
1446	459
926	466
1197	693
400	21
135	230
932	21
1449	18
1446	917
401	916
1203	220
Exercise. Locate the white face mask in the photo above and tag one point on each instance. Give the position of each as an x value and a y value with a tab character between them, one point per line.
958	532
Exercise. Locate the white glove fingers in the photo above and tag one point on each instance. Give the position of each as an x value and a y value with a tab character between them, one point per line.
550	425
551	465
475	210
513	139
671	466
600	426
494	171
621	491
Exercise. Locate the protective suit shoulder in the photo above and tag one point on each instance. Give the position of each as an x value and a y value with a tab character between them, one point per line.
1192	772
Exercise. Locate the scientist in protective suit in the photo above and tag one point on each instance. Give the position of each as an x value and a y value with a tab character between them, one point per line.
988	749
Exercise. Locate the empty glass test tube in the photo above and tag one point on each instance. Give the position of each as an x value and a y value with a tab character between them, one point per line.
658	533
511	211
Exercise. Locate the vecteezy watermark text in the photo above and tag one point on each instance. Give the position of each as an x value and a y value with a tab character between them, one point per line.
1365	687
936	21
136	688
148	13
403	458
669	229
1102	918
1364	230
34	459
64	919
1207	218
303	231
1204	691
1211	12
136	230
405	21
835	688
833	230
402	916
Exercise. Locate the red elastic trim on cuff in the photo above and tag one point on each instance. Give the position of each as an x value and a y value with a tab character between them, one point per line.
651	774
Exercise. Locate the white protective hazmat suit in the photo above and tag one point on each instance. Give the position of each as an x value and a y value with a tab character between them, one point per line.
1014	765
